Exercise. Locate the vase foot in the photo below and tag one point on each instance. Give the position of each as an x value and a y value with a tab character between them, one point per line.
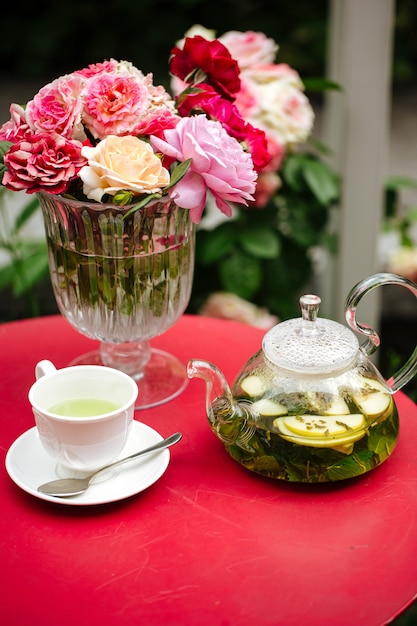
164	377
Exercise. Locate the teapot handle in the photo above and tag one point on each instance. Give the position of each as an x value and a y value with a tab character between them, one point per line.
407	371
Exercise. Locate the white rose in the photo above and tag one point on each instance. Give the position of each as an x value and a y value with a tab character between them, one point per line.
249	48
197	29
283	112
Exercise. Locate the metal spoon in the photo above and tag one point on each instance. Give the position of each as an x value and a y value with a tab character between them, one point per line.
66	487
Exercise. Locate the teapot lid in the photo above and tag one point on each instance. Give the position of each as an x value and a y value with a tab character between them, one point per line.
310	345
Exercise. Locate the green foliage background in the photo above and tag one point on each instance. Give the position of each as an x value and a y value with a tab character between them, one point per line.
45	39
41	40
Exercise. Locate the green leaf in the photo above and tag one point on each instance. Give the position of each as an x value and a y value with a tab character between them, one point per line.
4	147
178	172
321	180
32	268
321	84
398	182
382	440
25	214
303	220
412	213
213	245
261	242
351	466
291	171
284	278
319	146
241	274
7	273
142	203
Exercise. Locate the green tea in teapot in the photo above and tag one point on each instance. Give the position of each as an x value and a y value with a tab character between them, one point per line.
310	436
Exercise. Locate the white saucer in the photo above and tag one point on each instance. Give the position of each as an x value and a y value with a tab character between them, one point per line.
29	466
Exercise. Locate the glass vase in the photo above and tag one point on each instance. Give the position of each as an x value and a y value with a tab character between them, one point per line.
123	279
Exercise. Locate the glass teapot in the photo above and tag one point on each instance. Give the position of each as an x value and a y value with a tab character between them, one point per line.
310	406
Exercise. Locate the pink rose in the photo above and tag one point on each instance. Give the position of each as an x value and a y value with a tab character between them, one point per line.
113	104
56	108
122	163
98	68
206	99
42	162
158	95
249	48
16	127
218	164
116	103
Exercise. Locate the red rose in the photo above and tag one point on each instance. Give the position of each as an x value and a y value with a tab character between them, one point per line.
257	143
202	98
42	162
209	61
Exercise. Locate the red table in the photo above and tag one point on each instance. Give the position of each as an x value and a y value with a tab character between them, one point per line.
209	543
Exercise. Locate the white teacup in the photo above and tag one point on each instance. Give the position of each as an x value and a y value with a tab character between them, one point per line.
83	413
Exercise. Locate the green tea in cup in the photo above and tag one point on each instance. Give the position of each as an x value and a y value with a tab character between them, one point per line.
83	407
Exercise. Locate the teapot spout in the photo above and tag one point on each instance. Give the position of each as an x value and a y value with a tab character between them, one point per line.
231	421
216	383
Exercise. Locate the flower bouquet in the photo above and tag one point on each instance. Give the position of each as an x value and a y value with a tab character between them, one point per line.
122	171
108	134
118	164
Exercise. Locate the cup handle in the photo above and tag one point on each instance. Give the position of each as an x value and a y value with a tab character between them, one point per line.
409	369
43	368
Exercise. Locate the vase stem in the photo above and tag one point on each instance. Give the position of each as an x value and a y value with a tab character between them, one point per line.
130	357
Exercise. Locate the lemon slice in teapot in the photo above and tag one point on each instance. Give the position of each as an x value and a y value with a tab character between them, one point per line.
321	431
253	385
327	404
269	408
373	399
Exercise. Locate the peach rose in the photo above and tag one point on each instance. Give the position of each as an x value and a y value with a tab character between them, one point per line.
122	163
229	306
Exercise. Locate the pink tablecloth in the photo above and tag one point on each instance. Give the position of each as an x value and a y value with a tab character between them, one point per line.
209	543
